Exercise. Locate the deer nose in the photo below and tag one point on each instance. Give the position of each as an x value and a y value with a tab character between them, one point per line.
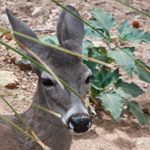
79	123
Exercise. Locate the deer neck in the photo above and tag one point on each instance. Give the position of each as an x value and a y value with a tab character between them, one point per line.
47	127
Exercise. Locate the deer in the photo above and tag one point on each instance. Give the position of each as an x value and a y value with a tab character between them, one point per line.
54	132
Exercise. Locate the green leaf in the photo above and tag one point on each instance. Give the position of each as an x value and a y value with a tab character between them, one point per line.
134	35
134	108
124	30
94	53
141	72
123	59
103	51
87	99
127	90
138	36
112	102
98	80
102	19
94	92
112	77
86	45
50	39
89	32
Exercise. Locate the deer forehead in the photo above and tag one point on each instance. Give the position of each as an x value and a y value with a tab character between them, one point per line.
69	74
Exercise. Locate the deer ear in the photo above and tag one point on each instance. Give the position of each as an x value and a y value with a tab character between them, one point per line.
21	27
69	27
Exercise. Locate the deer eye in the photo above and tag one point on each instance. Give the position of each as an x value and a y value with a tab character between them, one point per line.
48	82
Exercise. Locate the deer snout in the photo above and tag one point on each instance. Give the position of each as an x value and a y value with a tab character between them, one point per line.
79	123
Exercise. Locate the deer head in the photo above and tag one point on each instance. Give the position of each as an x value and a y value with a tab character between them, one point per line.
69	68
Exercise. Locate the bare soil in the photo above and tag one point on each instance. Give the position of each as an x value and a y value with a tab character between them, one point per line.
105	133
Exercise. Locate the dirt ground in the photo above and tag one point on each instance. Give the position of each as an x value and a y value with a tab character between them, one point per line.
105	133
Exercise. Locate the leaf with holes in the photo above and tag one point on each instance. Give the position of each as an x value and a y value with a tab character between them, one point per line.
134	108
123	59
112	102
127	90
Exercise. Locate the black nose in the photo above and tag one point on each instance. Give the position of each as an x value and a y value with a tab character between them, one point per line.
79	123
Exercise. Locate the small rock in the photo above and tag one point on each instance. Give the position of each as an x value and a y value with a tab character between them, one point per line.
34	84
39	11
125	116
4	19
8	79
2	58
55	12
17	59
24	79
97	43
146	85
23	87
145	8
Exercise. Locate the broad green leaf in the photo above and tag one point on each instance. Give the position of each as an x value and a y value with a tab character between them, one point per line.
102	19
128	90
141	72
138	36
103	51
134	108
112	102
134	35
94	92
98	80
94	53
86	47
123	59
124	30
89	32
50	39
112	77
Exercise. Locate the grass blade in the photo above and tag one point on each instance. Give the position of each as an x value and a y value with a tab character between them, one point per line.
56	47
32	132
47	71
111	41
40	107
33	54
133	8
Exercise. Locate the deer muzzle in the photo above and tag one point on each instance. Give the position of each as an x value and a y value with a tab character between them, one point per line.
79	123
